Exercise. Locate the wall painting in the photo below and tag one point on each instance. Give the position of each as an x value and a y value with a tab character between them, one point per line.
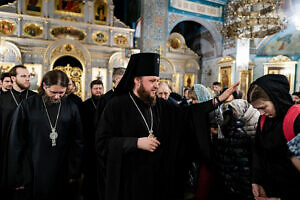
34	7
100	12
69	7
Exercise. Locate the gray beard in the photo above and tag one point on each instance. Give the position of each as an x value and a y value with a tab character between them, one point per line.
145	96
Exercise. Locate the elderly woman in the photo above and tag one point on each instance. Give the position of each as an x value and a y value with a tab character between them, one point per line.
233	152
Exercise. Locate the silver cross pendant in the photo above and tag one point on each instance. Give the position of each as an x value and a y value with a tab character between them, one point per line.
53	136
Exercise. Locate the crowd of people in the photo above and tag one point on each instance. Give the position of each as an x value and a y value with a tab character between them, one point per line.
143	141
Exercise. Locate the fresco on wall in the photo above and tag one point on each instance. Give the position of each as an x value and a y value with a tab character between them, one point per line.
286	43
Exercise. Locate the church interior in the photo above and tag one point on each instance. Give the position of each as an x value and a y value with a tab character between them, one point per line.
199	41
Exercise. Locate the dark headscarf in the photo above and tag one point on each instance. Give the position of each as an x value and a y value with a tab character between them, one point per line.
277	87
141	64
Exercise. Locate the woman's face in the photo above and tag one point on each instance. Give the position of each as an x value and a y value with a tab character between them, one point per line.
264	107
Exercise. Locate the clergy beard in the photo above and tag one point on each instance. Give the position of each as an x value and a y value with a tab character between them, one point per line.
96	97
21	85
145	96
49	101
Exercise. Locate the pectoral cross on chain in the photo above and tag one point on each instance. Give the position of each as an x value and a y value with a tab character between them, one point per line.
53	136
151	134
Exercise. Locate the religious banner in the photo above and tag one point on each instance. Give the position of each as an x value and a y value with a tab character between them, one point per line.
33	7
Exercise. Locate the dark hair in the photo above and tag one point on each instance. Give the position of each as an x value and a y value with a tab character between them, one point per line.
4	75
217	83
185	89
54	77
13	71
296	94
240	94
255	92
96	82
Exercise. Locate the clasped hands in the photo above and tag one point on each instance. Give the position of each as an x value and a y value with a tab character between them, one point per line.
148	143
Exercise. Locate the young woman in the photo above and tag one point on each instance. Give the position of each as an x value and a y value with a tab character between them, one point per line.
274	174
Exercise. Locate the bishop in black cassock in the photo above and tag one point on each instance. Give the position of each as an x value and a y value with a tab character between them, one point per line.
157	171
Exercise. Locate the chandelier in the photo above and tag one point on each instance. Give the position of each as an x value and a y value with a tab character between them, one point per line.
252	18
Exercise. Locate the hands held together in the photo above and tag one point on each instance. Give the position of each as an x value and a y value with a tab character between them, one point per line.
148	143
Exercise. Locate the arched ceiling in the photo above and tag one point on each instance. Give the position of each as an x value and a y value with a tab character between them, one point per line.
197	38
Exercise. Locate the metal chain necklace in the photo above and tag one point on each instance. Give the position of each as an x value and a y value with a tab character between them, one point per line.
150	130
53	135
12	94
93	103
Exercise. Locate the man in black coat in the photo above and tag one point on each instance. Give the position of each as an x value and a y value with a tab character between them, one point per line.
143	141
9	101
88	110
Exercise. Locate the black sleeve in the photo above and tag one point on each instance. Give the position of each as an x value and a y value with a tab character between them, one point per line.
258	171
77	145
18	161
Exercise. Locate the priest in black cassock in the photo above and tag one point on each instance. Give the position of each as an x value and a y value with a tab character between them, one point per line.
116	77
46	142
9	101
88	110
144	141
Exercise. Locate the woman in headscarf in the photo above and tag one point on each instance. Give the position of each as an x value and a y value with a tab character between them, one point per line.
233	151
274	174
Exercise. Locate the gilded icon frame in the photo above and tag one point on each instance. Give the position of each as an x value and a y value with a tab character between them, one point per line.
225	74
97	12
98	40
189	80
37	28
31	10
59	9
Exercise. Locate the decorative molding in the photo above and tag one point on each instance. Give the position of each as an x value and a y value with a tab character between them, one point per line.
197	8
33	30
